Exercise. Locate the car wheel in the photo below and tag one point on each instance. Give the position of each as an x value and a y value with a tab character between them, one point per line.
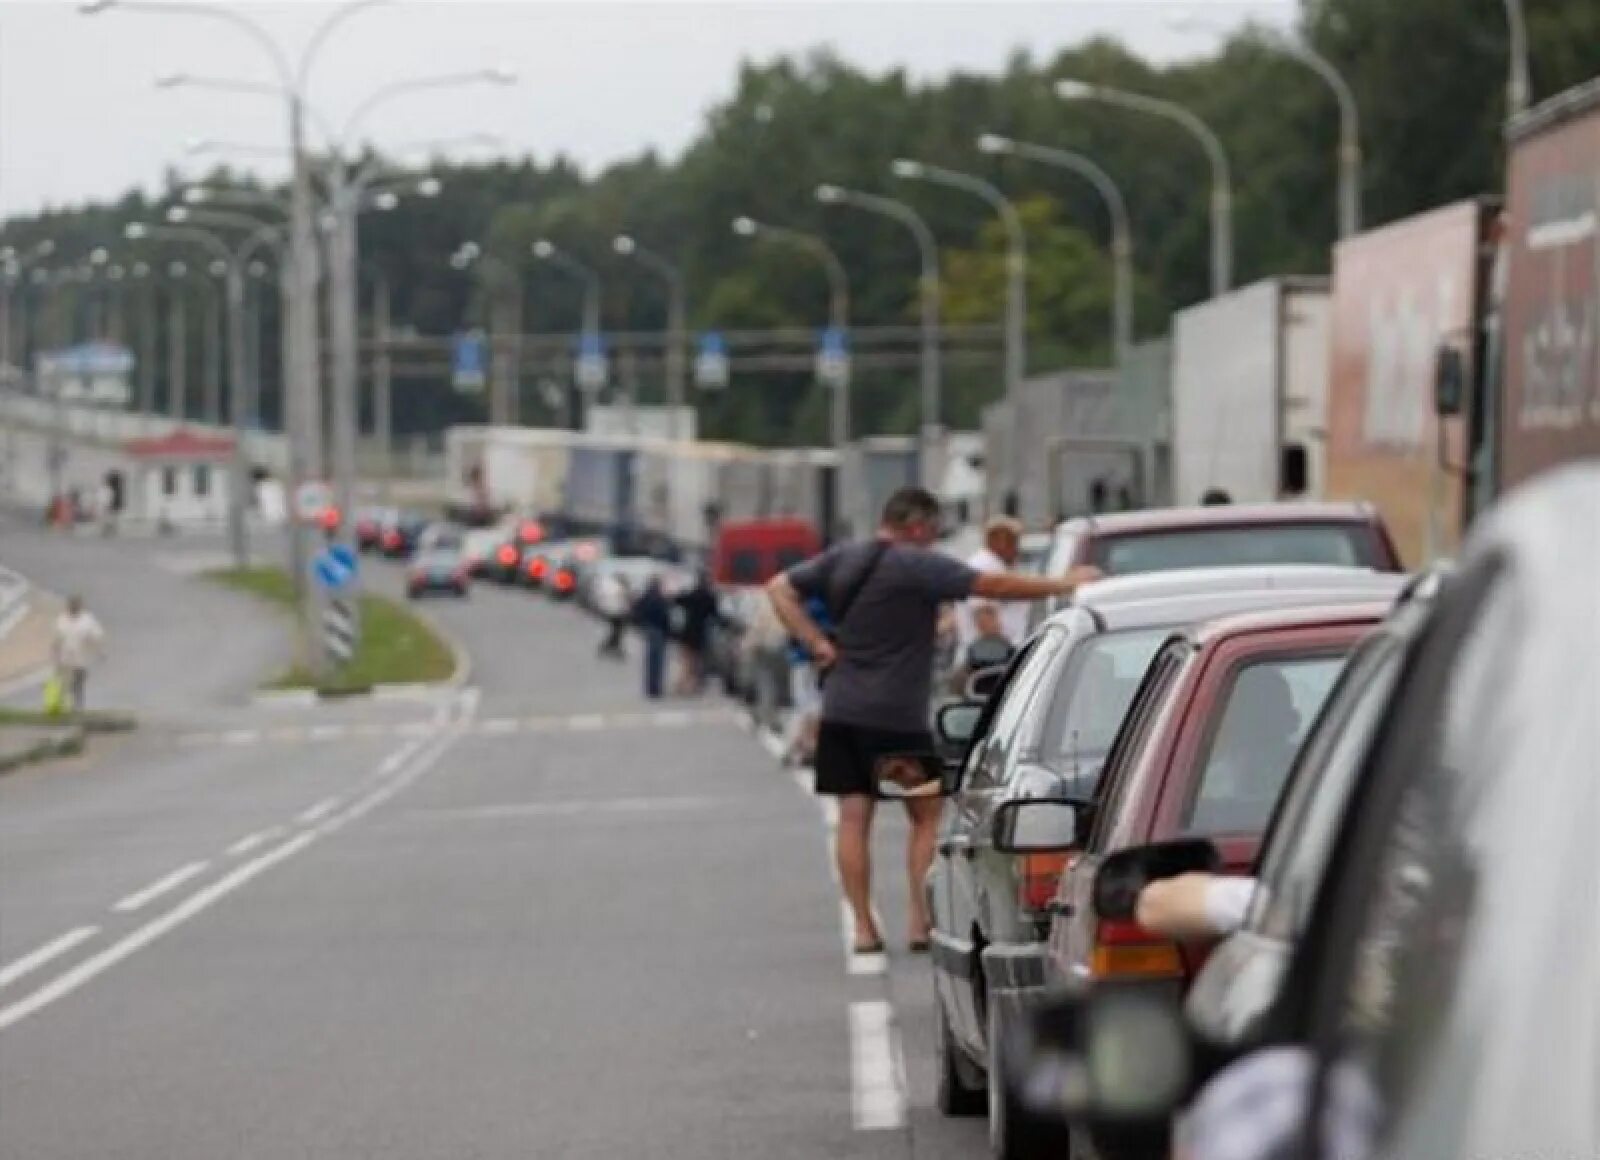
1014	1134
956	1096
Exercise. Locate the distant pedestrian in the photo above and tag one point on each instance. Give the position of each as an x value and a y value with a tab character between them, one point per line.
884	596
698	613
611	599
79	643
1002	547
652	612
1215	497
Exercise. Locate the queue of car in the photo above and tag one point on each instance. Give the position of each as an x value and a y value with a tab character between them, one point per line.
1407	768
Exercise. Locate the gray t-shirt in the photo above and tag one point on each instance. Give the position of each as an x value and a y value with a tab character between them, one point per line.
884	678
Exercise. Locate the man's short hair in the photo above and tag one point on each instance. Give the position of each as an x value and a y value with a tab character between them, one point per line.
911	505
1010	525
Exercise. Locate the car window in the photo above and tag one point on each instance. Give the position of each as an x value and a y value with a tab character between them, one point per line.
1117	775
992	758
1295	857
1090	699
1267	708
1420	954
1338	545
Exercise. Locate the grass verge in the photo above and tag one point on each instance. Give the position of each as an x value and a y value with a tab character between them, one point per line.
94	721
397	646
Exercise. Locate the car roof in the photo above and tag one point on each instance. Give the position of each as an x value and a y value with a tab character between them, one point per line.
1208	634
1158	599
1219	516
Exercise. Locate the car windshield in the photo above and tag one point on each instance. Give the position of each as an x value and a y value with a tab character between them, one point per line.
1339	545
1090	701
1268	709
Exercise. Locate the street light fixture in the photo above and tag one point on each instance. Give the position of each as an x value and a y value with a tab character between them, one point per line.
1221	176
928	251
994	145
1016	321
745	227
674	368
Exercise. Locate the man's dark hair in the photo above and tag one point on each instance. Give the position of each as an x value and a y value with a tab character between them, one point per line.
911	505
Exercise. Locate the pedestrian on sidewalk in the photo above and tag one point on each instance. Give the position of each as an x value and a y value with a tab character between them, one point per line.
697	612
652	612
884	595
79	643
612	599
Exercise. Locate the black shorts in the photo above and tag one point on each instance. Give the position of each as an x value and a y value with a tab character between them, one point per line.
847	756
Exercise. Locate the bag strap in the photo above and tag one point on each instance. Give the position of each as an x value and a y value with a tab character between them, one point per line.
879	550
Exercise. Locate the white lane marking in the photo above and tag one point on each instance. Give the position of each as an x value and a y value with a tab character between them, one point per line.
672	719
326	732
319	811
33	960
290	734
241	736
160	886
498	726
586	722
250	841
68	982
877	1072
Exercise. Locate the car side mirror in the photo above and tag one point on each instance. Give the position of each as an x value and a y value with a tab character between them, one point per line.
1036	826
1124	874
1114	1057
955	724
1449	382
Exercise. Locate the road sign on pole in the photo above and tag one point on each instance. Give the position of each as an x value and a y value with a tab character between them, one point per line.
469	362
711	364
335	567
833	358
339	630
590	369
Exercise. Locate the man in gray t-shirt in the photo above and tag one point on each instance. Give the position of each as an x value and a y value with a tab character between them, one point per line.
884	596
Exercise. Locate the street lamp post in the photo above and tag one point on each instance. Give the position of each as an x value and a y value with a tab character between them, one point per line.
1221	175
1016	294
1121	224
1519	86
177	342
675	367
505	385
547	251
838	305
928	253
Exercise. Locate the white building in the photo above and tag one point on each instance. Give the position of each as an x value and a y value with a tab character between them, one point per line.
181	478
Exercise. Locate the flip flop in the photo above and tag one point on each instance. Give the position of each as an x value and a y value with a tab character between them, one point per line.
875	947
918	946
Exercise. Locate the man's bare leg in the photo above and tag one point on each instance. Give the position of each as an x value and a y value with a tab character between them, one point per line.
920	845
854	853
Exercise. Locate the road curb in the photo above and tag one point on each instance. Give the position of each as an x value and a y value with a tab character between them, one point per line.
69	744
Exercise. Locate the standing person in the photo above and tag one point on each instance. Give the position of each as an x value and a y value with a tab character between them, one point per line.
698	611
79	642
1002	546
884	596
652	612
611	600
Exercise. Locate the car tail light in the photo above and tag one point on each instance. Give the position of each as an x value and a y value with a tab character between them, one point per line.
1039	875
508	555
392	539
537	567
1123	949
530	532
564	581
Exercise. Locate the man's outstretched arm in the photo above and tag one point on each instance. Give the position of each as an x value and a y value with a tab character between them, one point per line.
1019	586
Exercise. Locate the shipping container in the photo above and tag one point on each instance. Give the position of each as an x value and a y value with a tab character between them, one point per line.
1401	294
1549	407
599	491
1249	393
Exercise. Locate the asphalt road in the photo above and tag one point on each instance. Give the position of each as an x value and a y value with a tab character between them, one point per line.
537	917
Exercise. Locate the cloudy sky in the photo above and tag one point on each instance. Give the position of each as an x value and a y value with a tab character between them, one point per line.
81	119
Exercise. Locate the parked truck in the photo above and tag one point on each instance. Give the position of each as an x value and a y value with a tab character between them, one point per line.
1249	393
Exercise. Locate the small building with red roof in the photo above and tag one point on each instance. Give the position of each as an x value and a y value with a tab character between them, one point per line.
180	477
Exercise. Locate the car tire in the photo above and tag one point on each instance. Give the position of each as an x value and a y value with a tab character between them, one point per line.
956	1097
1014	1133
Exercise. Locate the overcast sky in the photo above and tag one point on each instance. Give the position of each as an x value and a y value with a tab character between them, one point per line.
599	80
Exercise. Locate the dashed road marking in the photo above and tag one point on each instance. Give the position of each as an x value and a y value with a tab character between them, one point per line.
317	812
54	949
241	736
877	1070
160	886
250	841
586	722
497	726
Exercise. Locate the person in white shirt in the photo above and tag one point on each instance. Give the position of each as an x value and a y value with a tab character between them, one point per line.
79	643
1002	545
612	601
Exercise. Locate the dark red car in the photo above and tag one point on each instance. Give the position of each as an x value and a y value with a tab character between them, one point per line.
1204	751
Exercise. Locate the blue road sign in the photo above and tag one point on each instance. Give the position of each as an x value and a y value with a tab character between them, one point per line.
833	357
469	361
590	370
334	567
711	364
